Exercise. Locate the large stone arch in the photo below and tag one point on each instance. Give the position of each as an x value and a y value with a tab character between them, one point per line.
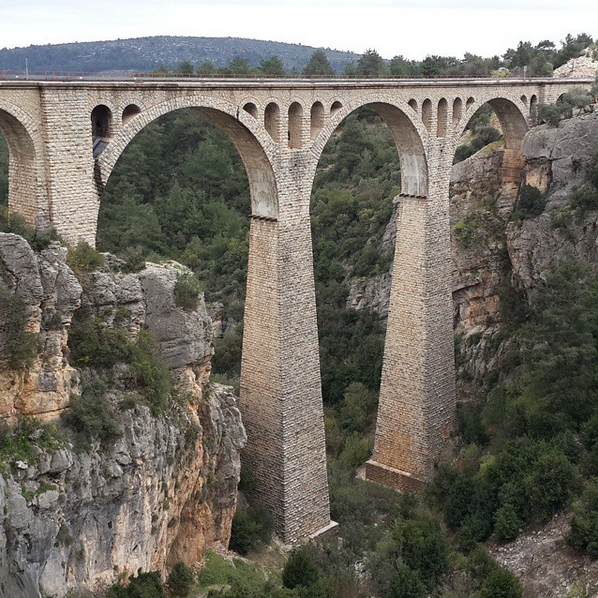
513	115
251	141
26	189
409	135
515	119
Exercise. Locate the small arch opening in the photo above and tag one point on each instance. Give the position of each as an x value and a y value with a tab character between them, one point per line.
130	112
457	111
442	117
295	125
317	119
251	108
101	121
427	114
524	99
470	102
413	104
336	106
272	121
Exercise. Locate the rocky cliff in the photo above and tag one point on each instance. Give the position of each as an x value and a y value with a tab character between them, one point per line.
163	488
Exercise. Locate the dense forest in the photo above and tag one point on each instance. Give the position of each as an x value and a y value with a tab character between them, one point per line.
527	443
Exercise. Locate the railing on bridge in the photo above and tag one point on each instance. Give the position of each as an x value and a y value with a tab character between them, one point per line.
54	75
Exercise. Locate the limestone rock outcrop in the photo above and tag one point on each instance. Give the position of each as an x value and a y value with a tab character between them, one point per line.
584	66
162	492
51	293
556	160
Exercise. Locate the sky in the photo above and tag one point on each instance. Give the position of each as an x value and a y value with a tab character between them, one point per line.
412	28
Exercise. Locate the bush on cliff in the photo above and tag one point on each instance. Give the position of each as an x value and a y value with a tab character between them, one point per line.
91	416
187	290
18	347
95	343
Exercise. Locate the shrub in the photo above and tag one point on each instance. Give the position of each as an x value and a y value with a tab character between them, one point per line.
251	528
16	442
91	415
357	450
247	480
18	348
501	583
186	291
406	583
423	547
245	533
16	224
180	580
94	343
551	483
531	202
84	258
583	534
299	570
506	523
550	114
149	372
261	515
143	585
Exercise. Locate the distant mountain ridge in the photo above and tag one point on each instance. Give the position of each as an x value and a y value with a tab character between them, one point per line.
148	53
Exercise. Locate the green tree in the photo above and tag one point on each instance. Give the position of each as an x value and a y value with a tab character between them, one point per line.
407	583
318	64
299	570
206	68
185	68
501	583
272	66
371	64
238	66
401	67
180	580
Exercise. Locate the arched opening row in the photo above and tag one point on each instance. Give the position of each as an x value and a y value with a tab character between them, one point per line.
103	125
273	121
436	118
443	113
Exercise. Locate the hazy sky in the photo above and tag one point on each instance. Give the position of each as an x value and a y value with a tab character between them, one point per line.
412	28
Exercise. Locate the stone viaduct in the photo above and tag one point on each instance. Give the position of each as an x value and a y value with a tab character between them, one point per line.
66	137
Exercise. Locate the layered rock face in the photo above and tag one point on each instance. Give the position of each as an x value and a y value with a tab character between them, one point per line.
164	490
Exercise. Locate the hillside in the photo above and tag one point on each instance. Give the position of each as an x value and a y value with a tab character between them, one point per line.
148	53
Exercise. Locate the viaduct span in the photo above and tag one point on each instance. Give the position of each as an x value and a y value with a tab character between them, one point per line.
65	138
